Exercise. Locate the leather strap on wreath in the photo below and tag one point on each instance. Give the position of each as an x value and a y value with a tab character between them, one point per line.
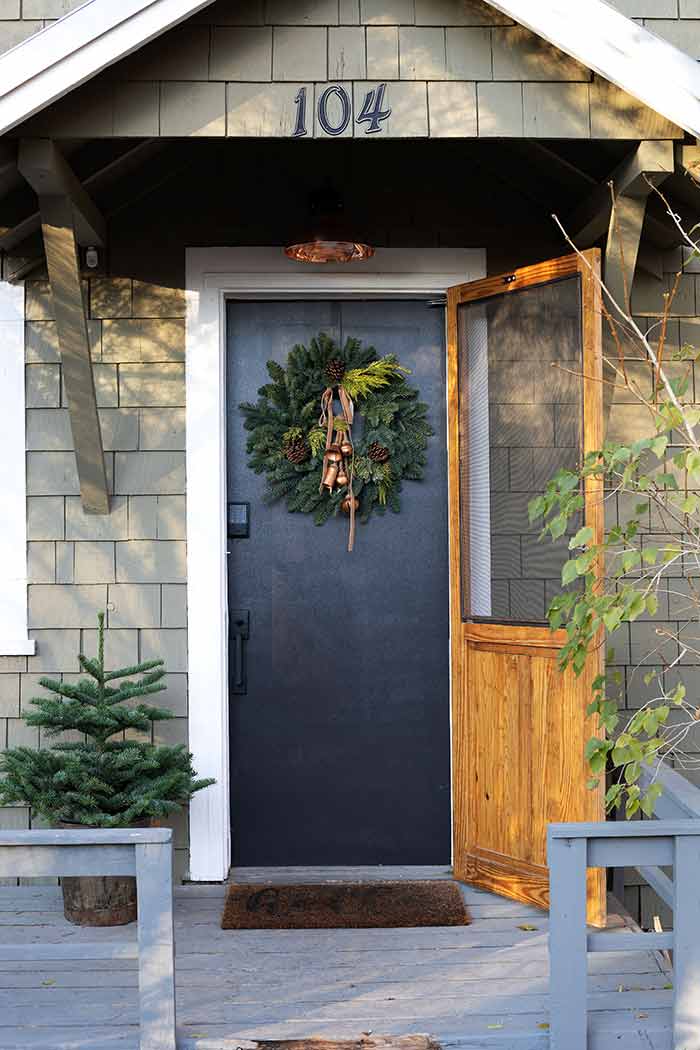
327	420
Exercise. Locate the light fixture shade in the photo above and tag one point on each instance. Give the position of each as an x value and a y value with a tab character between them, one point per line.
328	238
322	250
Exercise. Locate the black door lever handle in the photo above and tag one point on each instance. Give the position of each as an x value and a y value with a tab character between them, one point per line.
238	681
239	633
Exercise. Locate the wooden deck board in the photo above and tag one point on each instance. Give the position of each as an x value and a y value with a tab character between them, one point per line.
483	985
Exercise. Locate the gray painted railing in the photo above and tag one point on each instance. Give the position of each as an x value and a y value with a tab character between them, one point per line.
648	846
147	854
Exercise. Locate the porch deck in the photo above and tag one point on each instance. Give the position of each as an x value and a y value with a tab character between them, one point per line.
484	985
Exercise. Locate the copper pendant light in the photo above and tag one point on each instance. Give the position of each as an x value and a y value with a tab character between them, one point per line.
328	239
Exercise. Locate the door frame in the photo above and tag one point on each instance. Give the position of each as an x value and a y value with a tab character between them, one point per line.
214	276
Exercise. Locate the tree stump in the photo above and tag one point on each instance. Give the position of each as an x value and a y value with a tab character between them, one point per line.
99	900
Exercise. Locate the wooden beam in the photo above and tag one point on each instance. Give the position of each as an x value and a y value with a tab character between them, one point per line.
49	174
650	260
122	165
650	164
60	243
622	248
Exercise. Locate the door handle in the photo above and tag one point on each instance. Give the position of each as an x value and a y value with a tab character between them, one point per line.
240	633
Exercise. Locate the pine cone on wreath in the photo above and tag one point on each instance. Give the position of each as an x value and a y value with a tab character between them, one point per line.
335	370
379	453
296	450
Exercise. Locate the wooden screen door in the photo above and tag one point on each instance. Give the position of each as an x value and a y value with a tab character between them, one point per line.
525	399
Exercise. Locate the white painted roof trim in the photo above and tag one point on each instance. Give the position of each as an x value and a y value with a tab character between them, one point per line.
663	77
50	64
54	61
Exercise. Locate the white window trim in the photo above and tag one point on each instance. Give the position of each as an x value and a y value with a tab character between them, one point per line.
215	275
14	637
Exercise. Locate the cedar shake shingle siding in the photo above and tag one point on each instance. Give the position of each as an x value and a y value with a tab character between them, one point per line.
131	562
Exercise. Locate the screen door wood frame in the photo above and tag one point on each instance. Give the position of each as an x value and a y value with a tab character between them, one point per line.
469	640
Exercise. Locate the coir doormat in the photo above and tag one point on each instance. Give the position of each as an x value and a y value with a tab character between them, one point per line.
350	905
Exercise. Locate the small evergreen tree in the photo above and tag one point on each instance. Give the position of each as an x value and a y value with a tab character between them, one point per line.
104	780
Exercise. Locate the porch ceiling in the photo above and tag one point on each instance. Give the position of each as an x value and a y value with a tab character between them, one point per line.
520	181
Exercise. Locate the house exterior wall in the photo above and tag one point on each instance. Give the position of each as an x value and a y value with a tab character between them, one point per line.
637	648
444	55
131	562
452	68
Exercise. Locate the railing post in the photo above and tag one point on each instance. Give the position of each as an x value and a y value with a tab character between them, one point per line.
686	942
568	960
156	946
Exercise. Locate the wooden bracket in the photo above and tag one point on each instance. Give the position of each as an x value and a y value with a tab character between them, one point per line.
49	174
622	248
60	243
69	218
649	165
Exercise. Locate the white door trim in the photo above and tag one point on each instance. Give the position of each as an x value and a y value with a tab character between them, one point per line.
213	276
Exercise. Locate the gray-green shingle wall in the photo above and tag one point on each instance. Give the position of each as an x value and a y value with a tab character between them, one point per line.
454	68
131	563
676	20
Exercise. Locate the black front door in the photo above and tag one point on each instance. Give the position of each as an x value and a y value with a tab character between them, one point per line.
340	742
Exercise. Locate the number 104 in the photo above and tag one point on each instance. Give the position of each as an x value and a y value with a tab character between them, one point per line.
335	123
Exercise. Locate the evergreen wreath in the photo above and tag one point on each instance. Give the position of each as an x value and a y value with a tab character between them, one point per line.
288	443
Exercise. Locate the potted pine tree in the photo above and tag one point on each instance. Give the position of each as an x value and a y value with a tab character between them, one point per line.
103	780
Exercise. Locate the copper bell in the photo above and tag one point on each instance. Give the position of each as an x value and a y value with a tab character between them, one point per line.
329	478
345	505
346	447
333	455
342	478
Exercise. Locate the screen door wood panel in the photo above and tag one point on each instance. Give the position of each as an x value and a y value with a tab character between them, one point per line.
525	399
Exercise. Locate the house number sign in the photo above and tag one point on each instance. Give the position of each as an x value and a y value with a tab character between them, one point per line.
334	111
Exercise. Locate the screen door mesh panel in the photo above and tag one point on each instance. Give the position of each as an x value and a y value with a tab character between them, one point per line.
520	410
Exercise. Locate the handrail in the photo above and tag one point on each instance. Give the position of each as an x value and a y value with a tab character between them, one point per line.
679	800
571	849
145	853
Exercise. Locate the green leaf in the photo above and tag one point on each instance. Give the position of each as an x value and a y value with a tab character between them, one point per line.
536	508
630	560
557	526
569	572
632	772
659	446
635	607
582	537
612	619
619	454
